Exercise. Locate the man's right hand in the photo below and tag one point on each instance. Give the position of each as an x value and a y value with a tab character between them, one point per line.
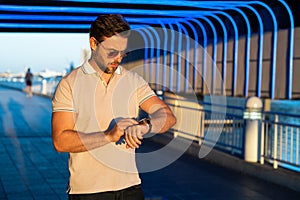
117	132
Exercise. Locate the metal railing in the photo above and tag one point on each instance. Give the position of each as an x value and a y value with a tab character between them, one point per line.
279	132
195	122
279	137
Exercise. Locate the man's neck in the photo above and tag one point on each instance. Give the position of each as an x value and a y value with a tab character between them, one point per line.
106	77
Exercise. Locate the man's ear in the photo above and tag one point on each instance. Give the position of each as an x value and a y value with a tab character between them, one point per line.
93	43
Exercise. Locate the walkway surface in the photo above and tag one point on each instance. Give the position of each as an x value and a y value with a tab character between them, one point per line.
31	169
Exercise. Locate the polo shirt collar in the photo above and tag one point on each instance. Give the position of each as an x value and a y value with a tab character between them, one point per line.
88	69
118	71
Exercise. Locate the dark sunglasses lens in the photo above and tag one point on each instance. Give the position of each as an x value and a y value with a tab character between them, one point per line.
114	54
123	54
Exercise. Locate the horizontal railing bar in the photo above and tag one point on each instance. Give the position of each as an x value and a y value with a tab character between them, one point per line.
281	123
282	114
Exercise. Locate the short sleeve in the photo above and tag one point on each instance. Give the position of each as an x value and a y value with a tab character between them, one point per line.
62	99
144	92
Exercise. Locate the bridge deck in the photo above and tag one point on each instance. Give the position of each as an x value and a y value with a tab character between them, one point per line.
31	169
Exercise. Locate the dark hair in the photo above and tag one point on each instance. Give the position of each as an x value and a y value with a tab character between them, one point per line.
108	25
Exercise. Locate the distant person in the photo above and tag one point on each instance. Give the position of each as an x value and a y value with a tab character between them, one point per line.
94	118
28	82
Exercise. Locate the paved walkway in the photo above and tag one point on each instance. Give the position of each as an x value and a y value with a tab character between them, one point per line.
31	169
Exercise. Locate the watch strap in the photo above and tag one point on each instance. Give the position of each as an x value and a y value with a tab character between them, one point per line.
146	121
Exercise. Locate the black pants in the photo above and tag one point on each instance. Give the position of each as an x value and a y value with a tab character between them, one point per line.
131	193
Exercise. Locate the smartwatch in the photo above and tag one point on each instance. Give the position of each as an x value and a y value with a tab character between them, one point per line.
146	121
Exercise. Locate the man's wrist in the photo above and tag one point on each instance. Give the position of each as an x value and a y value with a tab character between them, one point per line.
146	121
108	137
149	128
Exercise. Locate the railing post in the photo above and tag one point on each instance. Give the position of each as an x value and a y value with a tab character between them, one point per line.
188	113
202	127
252	116
262	143
275	163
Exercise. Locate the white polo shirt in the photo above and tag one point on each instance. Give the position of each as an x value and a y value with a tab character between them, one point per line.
97	106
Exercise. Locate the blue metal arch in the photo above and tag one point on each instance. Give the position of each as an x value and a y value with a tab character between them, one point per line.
214	52
144	29
216	6
186	83
164	81
274	49
157	54
224	53
203	51
145	49
248	48
172	47
260	50
235	45
196	42
291	51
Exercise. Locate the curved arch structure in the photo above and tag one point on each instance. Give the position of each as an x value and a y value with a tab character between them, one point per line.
237	42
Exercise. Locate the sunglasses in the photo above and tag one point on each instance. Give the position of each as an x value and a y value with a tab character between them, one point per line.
112	53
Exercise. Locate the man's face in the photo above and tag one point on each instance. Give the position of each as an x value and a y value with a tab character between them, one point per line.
109	53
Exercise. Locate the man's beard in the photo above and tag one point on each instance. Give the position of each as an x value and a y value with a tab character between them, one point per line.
111	70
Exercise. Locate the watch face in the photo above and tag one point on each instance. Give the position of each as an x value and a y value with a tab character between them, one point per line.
145	121
148	121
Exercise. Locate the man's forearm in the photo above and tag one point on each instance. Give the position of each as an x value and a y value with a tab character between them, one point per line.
75	142
162	120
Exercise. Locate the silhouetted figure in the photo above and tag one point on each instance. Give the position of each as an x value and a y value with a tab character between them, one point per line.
28	82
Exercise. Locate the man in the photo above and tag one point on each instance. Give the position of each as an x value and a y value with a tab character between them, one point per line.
95	110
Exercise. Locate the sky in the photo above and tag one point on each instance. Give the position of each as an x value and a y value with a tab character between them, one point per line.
41	51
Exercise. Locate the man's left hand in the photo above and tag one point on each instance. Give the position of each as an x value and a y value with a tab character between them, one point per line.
134	135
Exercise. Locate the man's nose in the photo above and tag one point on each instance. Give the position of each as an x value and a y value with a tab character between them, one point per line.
119	57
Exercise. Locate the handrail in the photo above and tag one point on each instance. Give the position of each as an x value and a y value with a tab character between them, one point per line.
282	114
282	123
